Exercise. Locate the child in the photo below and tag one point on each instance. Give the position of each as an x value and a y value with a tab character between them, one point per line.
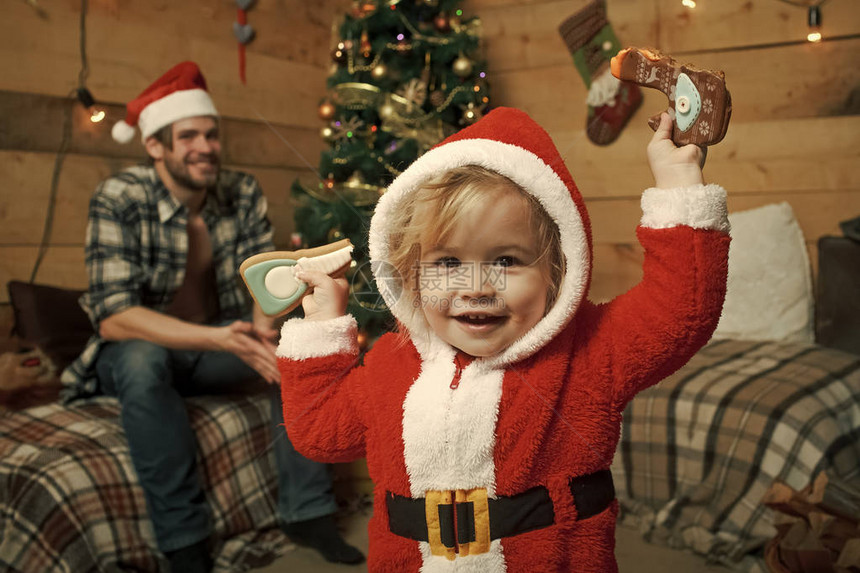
490	421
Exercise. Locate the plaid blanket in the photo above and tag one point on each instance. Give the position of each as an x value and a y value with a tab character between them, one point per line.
70	501
699	450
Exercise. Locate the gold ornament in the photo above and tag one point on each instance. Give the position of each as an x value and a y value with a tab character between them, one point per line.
326	110
379	72
355	95
471	113
335	235
462	66
354	180
386	110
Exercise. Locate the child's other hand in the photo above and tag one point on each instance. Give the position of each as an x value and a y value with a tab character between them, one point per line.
674	166
329	296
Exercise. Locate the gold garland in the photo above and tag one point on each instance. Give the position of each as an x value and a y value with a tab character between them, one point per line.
358	194
352	68
388	166
473	28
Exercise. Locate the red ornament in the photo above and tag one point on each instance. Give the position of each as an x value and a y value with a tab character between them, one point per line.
442	23
365	45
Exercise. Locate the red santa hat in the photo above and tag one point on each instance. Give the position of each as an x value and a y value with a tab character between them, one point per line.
178	94
511	143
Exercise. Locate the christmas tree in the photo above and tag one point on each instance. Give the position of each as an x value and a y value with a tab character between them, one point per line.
405	75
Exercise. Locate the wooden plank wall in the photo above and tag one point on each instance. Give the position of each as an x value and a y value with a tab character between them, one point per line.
795	130
794	137
269	127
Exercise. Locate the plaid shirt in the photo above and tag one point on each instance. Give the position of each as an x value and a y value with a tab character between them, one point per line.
137	246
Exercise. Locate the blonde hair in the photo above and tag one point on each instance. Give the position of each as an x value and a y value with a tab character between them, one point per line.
433	211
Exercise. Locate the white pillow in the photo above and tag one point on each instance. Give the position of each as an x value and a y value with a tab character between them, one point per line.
769	293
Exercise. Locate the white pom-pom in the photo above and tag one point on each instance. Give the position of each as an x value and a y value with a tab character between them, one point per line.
603	90
122	132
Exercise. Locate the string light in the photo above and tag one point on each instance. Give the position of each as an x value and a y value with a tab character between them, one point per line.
814	21
813	15
88	101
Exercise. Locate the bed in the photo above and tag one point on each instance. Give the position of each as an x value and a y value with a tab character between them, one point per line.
761	402
69	496
70	502
699	451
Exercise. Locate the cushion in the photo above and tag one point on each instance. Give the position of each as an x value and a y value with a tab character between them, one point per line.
50	318
769	294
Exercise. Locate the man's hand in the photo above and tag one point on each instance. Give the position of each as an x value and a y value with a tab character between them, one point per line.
329	296
674	166
253	345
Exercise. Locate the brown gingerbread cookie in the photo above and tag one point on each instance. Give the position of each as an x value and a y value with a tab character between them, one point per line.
699	102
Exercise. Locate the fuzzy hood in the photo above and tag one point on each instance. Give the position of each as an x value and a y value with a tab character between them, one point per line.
510	143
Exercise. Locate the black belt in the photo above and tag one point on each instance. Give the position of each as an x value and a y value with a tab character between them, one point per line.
451	521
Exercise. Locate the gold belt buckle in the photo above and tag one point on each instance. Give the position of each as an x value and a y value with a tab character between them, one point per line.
481	512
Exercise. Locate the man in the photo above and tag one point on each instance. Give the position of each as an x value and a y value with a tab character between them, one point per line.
164	242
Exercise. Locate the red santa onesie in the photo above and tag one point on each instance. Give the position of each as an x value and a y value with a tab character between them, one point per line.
508	470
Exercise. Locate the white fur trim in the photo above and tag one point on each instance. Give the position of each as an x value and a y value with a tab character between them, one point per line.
603	90
698	206
122	132
491	562
178	105
449	435
301	338
532	174
448	441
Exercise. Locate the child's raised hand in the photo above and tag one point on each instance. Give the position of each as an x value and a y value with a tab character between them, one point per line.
328	298
674	166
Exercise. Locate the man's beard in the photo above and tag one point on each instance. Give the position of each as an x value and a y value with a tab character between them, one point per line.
178	169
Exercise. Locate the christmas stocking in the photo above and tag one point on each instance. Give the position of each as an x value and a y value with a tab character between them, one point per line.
590	39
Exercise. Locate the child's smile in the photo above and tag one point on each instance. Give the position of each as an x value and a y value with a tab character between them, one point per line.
482	287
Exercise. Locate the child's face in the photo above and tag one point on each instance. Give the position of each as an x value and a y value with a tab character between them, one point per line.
481	289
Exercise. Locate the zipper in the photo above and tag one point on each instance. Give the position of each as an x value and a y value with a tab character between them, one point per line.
459	366
457	374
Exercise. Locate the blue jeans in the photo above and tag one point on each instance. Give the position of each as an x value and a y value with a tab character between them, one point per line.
150	382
